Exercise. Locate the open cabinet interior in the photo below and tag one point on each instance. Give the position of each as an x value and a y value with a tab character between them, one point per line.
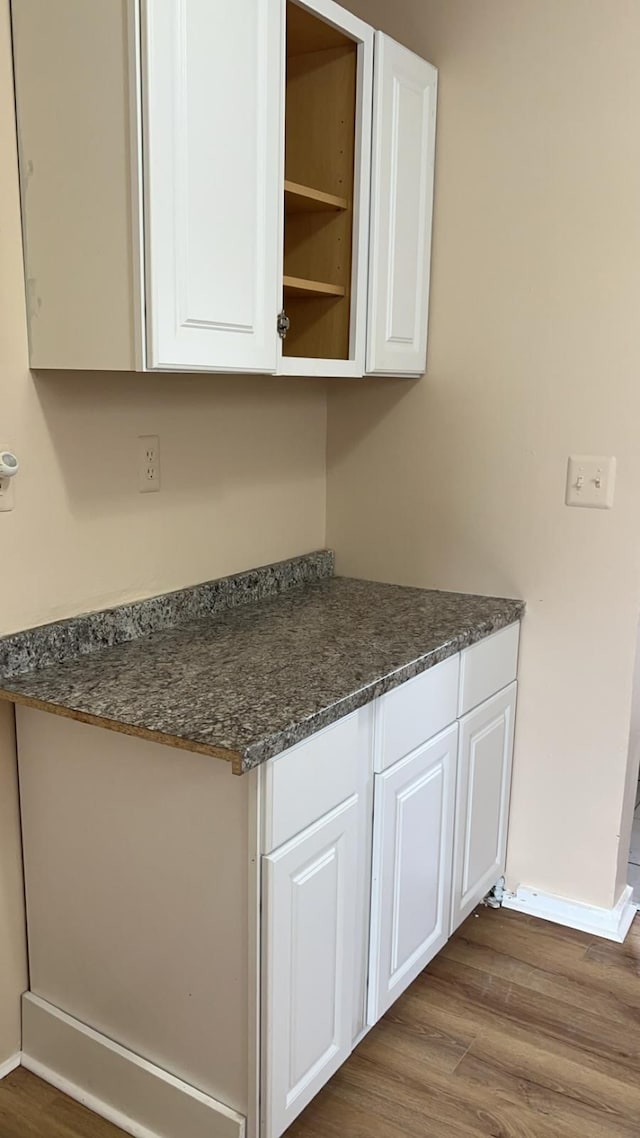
320	122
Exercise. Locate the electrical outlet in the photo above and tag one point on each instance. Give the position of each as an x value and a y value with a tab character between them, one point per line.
148	463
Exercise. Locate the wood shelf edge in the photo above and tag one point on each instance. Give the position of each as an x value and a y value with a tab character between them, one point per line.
299	286
303	199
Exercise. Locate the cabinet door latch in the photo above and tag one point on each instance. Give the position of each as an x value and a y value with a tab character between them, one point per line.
283	324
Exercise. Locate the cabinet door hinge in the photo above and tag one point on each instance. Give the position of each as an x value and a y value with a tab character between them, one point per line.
283	324
495	896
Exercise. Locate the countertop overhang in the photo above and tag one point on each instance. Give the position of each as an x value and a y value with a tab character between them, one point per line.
247	682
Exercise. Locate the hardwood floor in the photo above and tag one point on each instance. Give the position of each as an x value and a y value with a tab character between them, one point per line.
518	1029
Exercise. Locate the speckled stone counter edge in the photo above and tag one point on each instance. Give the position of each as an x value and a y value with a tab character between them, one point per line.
64	640
280	741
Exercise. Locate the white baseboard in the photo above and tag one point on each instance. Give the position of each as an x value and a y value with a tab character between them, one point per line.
128	1091
10	1065
612	924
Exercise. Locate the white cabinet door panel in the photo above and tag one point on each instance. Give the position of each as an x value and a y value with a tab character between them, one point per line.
309	953
411	880
404	124
213	169
482	809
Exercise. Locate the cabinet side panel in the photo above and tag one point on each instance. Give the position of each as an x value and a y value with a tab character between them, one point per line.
74	92
137	879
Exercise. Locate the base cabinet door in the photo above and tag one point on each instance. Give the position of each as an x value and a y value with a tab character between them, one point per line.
482	807
309	951
411	881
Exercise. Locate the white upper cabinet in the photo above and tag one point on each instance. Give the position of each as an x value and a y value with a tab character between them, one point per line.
404	129
197	187
212	87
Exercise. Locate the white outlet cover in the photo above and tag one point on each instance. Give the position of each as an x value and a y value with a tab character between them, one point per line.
148	464
591	481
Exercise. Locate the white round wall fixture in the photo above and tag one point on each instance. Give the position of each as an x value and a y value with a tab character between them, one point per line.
9	464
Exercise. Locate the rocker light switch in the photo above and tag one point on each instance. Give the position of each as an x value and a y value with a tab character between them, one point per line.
590	481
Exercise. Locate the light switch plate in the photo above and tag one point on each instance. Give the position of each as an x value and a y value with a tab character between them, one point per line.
591	481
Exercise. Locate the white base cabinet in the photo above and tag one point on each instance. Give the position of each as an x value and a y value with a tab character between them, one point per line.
411	870
218	902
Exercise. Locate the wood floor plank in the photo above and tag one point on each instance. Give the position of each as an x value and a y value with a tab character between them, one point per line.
615	1081
535	942
624	959
448	1101
557	1069
31	1108
345	1109
508	922
533	1093
553	985
391	1048
603	966
407	1025
511	1003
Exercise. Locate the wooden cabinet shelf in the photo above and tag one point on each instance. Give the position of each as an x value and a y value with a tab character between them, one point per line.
298	286
305	199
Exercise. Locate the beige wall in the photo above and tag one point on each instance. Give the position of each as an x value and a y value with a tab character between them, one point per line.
243	483
457	481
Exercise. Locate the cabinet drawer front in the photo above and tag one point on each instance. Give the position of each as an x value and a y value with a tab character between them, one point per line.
411	878
304	783
488	666
415	711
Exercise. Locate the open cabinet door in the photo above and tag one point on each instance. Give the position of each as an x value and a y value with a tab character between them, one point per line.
404	131
329	66
212	100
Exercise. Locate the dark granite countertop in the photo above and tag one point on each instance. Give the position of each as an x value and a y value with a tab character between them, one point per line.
249	681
